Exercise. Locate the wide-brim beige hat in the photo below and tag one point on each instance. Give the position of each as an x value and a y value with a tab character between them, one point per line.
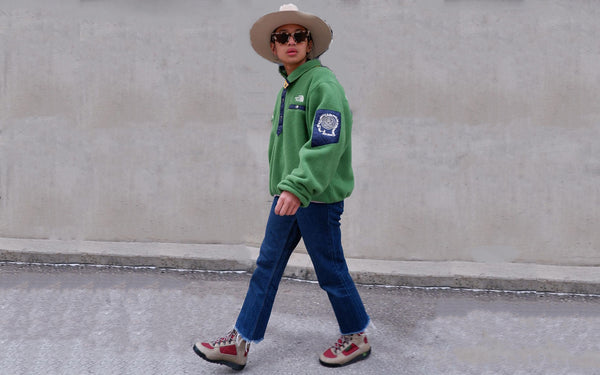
260	33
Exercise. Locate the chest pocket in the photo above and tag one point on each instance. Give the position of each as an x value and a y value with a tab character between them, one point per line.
295	117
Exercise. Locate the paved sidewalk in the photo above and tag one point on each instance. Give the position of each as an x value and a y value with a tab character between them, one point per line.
103	320
491	276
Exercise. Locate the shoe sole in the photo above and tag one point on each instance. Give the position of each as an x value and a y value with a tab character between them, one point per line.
356	359
234	366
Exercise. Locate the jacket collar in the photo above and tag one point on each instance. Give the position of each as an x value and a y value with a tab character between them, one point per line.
299	71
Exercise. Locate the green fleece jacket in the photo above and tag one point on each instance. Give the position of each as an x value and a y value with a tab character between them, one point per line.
310	145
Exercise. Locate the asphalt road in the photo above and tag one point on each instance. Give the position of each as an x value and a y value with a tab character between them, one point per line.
98	320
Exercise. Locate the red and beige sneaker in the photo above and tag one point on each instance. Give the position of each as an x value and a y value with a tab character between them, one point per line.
230	350
348	349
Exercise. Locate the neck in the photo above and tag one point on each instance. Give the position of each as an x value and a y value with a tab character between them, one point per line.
289	68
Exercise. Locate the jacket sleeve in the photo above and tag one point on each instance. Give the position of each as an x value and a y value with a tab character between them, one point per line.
329	134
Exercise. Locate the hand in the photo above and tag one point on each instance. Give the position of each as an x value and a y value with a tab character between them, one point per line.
287	204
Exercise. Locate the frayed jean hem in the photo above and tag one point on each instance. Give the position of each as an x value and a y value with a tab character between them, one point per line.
246	338
359	331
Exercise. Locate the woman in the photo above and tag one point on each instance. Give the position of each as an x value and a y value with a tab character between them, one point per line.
310	176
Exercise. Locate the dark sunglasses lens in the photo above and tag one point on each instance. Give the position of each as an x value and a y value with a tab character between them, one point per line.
282	38
300	36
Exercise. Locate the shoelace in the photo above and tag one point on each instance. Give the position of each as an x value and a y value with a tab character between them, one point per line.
341	342
230	337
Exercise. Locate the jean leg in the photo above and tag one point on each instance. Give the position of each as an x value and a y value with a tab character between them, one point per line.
320	227
281	237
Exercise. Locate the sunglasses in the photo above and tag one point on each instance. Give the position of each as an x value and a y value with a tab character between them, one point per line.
282	37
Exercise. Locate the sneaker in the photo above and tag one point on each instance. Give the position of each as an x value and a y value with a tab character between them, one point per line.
348	349
230	350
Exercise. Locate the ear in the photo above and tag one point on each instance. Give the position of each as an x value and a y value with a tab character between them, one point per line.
273	49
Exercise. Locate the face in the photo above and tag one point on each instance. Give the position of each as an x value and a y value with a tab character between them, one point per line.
291	54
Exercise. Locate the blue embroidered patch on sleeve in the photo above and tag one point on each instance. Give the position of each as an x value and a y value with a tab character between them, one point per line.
326	127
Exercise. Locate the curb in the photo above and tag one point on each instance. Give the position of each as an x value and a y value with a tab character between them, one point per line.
215	257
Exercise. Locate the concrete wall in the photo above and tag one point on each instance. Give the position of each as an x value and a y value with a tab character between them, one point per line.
476	124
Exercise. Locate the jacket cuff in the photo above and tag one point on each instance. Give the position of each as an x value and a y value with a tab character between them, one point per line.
304	199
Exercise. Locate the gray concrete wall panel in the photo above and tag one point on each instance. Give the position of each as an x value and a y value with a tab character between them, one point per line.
476	124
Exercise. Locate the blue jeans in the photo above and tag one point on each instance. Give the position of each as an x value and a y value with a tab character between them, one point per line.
319	226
